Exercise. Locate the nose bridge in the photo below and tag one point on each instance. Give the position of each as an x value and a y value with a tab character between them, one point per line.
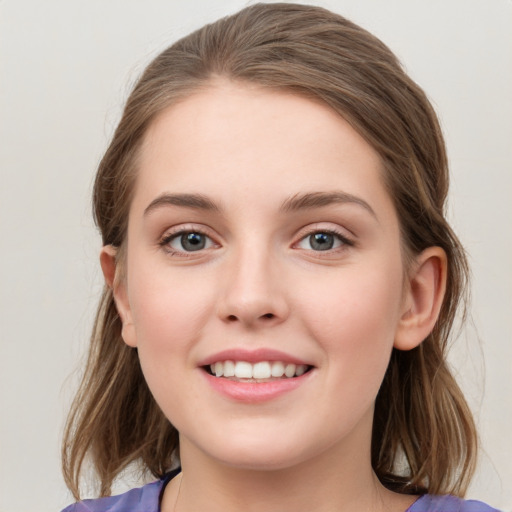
252	291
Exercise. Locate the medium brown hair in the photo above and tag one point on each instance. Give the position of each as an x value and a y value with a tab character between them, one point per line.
423	434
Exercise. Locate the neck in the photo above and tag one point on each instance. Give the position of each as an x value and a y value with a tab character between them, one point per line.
292	490
321	484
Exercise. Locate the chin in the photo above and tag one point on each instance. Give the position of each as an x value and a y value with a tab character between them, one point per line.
266	453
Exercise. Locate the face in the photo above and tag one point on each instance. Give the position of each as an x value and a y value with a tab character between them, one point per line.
261	240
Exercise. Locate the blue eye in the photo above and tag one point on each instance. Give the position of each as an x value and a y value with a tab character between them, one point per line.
323	241
188	241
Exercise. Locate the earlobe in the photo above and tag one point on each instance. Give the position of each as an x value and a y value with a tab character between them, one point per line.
423	298
110	269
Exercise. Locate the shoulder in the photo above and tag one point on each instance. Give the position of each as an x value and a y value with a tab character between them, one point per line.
142	499
430	503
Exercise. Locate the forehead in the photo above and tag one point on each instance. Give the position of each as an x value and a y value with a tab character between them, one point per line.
231	139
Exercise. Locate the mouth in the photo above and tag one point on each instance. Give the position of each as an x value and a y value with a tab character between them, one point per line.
260	371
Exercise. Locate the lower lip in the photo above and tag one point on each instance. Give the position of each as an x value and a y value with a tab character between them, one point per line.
252	392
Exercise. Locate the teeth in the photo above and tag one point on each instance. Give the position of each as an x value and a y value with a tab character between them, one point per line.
301	370
229	369
289	371
259	370
277	369
243	370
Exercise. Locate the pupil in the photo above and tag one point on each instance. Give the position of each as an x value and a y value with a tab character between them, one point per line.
321	241
193	241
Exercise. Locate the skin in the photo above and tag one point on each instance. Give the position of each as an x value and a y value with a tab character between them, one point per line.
259	283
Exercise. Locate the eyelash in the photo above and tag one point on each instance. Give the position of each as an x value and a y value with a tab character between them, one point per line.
345	241
168	238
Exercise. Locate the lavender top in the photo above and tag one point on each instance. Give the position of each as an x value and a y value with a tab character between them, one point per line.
147	499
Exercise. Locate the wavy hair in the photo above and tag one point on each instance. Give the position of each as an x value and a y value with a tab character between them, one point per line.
424	437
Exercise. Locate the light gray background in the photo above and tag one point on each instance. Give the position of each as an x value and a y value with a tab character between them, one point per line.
65	69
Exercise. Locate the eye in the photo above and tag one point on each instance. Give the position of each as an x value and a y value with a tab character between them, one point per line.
323	241
188	241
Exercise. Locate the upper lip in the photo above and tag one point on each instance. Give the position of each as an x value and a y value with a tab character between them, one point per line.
251	356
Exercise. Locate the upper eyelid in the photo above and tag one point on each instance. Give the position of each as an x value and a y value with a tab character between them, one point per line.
345	240
325	227
317	227
187	228
172	236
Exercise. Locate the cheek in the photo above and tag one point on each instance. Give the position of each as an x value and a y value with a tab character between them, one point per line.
169	310
354	318
169	314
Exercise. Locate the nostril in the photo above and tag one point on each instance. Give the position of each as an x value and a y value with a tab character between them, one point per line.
237	318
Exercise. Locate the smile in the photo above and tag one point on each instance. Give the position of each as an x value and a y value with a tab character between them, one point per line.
256	375
258	371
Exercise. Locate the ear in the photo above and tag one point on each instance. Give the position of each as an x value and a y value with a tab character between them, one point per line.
111	273
423	298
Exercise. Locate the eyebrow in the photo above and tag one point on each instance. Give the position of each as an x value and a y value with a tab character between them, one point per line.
318	199
196	201
305	201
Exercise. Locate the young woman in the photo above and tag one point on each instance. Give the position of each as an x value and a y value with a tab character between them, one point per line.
280	282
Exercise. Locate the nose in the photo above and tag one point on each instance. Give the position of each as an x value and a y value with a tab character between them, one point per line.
253	290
